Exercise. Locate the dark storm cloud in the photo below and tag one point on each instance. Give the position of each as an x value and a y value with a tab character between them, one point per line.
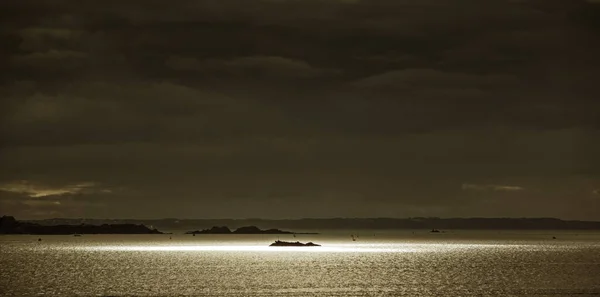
302	108
262	67
491	187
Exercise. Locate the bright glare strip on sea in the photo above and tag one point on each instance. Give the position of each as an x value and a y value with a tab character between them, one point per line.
336	248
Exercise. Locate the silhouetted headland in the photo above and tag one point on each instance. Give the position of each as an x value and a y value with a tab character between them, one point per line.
241	230
9	225
288	243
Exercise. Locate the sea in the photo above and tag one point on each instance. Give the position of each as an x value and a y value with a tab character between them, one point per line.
376	263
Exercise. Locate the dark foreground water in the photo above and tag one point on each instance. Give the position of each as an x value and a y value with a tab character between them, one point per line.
457	263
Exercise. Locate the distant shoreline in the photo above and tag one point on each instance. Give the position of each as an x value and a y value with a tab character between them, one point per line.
9	225
426	223
242	230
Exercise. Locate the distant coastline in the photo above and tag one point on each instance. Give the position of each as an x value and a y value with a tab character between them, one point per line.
241	230
426	223
9	225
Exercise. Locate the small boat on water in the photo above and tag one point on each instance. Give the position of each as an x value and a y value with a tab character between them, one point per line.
435	231
288	243
76	235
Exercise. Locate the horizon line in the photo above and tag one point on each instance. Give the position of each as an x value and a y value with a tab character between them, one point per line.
310	218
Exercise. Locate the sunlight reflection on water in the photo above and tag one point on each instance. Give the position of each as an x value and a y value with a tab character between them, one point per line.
335	248
178	265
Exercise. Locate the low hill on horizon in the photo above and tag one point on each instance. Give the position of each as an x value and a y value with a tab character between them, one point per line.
9	225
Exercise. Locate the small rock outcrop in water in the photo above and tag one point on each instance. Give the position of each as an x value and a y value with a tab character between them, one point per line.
288	243
8	225
241	230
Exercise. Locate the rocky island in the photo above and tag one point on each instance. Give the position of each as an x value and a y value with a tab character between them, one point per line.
288	243
241	230
9	225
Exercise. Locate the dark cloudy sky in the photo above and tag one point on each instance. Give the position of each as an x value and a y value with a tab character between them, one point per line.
289	108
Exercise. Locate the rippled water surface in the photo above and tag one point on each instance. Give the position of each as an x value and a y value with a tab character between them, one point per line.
377	264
